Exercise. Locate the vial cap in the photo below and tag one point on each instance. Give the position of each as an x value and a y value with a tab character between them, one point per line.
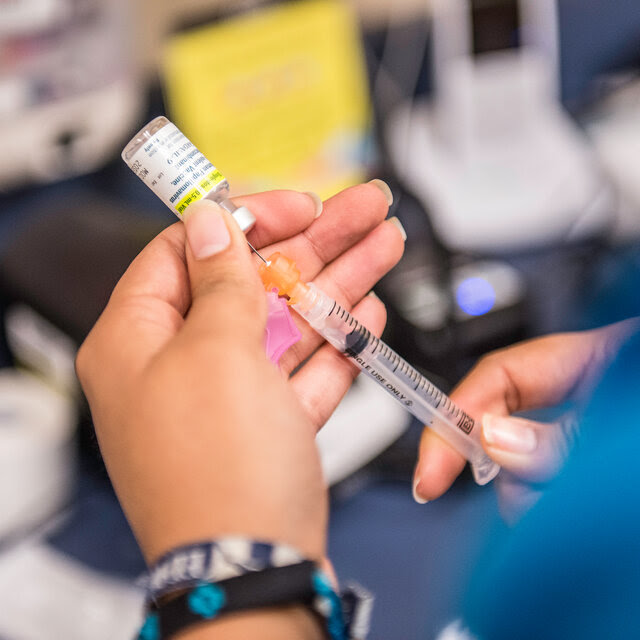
244	218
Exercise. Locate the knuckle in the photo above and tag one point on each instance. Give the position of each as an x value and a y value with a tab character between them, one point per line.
490	361
224	281
231	300
228	283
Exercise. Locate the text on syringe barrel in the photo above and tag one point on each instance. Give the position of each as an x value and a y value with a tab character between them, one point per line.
361	340
363	347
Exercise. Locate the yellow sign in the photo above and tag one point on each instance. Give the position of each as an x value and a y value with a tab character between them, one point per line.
277	98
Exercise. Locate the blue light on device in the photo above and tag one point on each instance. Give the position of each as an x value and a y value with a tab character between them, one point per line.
475	296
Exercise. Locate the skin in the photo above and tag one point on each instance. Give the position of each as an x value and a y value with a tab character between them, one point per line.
203	436
537	373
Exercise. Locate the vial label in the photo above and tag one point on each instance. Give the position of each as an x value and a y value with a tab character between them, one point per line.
174	169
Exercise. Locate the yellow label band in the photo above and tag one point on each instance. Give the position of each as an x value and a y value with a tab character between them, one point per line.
214	178
191	197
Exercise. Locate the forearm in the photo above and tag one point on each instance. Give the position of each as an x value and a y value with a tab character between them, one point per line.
296	623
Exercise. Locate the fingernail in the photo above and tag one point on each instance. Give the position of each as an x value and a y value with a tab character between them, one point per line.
509	434
207	232
372	294
416	494
398	224
384	187
317	201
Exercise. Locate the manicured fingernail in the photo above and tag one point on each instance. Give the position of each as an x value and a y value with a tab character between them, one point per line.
416	493
384	187
207	232
509	434
398	224
317	202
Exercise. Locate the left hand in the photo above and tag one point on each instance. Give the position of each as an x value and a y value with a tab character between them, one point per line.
542	372
201	435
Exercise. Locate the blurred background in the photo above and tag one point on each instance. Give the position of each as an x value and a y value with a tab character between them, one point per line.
509	132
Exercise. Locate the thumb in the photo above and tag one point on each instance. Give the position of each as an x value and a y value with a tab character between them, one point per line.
531	451
227	298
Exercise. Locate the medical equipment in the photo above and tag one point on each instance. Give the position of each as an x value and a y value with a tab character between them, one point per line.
177	172
378	361
169	164
491	154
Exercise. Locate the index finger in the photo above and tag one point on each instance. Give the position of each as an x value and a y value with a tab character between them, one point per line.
349	216
279	214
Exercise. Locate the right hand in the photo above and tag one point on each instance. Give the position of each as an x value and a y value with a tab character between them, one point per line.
538	373
202	436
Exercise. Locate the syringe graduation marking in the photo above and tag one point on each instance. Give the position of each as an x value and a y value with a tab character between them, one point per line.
361	339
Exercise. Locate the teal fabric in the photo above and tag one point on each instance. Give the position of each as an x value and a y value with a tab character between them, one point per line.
571	568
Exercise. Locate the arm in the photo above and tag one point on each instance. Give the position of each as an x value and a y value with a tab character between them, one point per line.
290	622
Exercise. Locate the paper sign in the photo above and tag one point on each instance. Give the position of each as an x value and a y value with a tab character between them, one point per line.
276	98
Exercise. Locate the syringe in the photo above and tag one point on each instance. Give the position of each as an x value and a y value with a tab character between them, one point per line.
169	164
378	361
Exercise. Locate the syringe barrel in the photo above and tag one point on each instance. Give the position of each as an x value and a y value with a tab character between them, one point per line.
394	374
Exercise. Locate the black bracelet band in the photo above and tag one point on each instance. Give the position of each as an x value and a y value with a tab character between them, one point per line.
302	583
269	588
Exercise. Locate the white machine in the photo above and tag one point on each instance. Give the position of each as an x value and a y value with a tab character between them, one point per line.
493	156
615	133
68	92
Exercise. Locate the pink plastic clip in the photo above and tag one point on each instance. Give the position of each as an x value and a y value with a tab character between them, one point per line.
281	331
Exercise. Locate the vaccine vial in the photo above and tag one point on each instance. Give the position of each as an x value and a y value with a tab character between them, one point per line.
177	172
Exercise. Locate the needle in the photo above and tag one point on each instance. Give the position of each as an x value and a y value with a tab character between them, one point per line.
256	252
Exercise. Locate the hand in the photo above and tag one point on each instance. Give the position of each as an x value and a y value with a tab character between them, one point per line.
534	374
201	435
